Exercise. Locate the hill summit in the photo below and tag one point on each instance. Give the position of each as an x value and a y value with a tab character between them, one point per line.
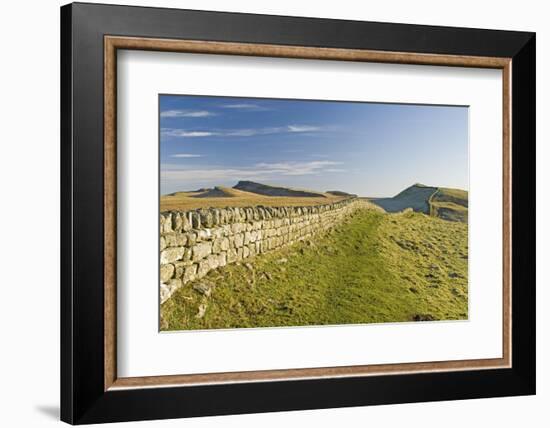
443	202
267	190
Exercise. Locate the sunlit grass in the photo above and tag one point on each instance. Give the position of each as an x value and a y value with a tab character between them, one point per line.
375	267
237	198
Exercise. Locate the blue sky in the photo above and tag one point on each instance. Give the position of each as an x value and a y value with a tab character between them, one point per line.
365	148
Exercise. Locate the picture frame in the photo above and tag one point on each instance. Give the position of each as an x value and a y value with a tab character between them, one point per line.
91	391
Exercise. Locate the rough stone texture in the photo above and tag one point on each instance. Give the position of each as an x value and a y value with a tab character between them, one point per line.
166	272
190	273
192	243
201	250
170	255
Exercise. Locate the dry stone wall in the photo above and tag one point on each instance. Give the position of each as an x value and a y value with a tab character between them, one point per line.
192	243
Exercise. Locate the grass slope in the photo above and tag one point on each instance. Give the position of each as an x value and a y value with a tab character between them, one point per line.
216	192
376	267
450	204
456	196
221	197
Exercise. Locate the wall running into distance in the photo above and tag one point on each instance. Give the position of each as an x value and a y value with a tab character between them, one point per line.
192	243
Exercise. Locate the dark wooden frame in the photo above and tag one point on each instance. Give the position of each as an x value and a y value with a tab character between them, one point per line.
114	43
90	35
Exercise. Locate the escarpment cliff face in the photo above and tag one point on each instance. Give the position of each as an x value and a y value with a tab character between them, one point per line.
446	203
192	243
416	197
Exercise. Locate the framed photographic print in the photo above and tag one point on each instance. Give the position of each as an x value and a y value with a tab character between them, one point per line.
265	213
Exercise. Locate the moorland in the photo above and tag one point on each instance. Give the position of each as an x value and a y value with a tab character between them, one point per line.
400	259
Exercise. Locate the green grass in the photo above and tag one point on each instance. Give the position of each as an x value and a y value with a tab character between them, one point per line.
457	196
450	204
449	211
375	267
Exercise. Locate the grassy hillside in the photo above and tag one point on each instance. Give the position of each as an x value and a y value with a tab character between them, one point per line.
442	202
375	267
450	204
449	211
220	197
456	196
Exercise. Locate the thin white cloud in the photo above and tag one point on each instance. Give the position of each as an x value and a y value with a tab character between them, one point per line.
186	113
245	107
185	155
303	128
250	132
297	168
258	171
187	134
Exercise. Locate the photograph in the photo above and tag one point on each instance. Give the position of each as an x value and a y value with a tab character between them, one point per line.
287	212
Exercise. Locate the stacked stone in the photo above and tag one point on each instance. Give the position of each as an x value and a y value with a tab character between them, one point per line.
192	243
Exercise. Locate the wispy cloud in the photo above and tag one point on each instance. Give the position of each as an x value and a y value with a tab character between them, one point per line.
245	107
296	168
258	171
303	128
187	113
185	155
250	132
187	134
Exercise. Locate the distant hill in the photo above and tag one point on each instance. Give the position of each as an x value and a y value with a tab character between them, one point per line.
416	197
446	203
216	192
267	190
246	194
340	193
